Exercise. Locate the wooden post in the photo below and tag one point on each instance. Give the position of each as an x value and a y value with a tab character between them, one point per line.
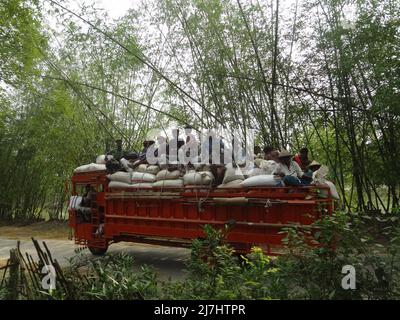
13	282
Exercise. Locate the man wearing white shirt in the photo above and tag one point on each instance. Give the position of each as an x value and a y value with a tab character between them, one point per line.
290	171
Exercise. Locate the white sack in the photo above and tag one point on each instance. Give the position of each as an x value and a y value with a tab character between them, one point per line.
119	185
198	178
168	175
101	159
232	174
255	172
121	176
260	181
91	167
142	185
141	168
332	187
178	183
268	166
231	184
142	177
153	169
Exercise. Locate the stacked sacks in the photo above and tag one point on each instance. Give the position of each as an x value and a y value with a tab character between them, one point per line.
121	176
142	179
139	180
268	166
255	172
144	175
198	178
120	180
168	178
232	178
148	168
263	167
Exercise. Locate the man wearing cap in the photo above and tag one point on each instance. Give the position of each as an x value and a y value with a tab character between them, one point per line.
290	171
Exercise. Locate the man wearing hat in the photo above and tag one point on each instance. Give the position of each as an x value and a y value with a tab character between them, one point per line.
290	171
314	166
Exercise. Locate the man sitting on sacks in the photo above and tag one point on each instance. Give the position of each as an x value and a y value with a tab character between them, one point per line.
290	171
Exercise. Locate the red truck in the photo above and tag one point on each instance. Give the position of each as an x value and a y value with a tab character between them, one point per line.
176	216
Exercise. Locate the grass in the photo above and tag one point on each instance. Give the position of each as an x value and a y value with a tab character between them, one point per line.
42	230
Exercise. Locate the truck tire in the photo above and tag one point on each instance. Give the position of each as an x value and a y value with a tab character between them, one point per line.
96	251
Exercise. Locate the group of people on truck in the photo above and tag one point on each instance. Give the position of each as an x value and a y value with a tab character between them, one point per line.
163	160
291	170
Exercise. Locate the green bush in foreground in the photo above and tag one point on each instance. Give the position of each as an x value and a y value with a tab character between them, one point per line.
311	268
304	272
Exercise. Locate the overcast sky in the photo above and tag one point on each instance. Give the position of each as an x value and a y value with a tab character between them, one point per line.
117	8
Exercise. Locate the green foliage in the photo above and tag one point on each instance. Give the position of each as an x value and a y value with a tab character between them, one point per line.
310	268
298	75
214	271
315	273
21	38
304	272
3	293
113	278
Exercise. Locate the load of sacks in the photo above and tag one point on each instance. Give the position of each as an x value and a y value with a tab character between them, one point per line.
174	175
260	176
147	176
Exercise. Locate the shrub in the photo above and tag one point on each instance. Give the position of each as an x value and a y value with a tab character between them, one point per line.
113	277
310	269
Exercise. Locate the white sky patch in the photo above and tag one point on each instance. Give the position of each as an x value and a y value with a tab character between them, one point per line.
117	8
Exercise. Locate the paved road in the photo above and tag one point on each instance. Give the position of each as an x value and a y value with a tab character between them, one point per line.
167	261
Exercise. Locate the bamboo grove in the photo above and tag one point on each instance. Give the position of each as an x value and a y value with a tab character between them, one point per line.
321	73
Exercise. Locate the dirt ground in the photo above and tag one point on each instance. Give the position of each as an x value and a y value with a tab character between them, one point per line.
42	230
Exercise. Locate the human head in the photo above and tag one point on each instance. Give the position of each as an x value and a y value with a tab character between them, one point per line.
314	166
274	155
188	129
285	157
257	150
304	152
267	152
271	153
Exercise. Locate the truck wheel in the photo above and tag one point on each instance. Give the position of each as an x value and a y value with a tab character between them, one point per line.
96	251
